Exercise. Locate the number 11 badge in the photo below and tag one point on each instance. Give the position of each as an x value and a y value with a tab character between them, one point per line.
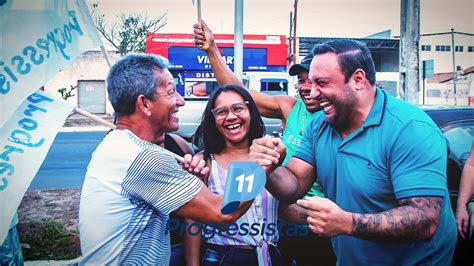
244	182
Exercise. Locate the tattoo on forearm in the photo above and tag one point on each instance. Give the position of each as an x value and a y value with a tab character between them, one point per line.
415	220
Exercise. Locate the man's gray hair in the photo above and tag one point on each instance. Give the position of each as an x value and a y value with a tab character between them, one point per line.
131	76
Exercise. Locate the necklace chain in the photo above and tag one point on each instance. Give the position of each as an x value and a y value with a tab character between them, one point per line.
302	124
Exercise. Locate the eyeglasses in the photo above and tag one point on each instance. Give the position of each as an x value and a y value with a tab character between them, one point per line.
237	109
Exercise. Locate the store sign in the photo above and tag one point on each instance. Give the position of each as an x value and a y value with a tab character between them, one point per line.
200	75
191	58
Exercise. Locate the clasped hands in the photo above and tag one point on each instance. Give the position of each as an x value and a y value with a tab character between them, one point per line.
268	152
195	165
325	217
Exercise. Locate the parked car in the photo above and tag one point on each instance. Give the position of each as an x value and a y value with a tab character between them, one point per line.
457	125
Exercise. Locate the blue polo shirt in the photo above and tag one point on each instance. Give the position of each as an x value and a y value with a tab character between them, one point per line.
397	153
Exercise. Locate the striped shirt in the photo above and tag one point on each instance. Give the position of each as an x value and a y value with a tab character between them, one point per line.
130	188
257	227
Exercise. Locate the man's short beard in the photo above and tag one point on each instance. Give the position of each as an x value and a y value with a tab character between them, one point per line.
342	119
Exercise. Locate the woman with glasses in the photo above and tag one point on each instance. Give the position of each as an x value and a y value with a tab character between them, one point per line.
295	115
230	123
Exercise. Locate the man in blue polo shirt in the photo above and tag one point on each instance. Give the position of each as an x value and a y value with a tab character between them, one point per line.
381	163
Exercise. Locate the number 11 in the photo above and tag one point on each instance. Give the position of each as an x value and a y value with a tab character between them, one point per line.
241	181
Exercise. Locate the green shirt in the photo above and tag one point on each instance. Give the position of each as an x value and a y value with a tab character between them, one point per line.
296	122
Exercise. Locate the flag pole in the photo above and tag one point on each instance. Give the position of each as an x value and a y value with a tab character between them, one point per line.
112	126
199	10
94	117
106	55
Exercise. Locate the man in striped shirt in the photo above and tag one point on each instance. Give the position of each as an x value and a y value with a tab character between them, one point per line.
131	184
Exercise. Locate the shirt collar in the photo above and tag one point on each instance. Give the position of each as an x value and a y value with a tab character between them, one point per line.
376	112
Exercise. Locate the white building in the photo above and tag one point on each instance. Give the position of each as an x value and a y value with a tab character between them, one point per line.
442	88
88	72
438	47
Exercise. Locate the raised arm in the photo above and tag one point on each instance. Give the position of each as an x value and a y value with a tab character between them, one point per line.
204	40
277	106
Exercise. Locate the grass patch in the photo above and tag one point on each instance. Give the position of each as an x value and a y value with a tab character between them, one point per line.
48	240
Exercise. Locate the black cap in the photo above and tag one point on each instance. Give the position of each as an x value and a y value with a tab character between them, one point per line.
303	66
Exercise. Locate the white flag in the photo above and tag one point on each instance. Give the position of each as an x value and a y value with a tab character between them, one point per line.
24	142
37	39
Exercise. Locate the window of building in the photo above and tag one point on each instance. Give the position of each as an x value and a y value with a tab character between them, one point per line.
433	93
274	86
426	48
459	48
199	88
470	49
443	48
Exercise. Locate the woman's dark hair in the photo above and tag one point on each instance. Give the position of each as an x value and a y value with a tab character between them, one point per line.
210	139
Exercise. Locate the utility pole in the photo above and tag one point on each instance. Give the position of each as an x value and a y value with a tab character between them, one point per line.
294	30
409	53
454	66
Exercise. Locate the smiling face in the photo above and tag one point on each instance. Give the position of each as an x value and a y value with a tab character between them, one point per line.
234	128
304	90
336	97
166	104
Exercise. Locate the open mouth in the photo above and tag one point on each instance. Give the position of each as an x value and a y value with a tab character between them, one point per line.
326	105
234	128
175	113
307	98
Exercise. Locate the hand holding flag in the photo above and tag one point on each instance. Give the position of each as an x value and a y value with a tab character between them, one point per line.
198	10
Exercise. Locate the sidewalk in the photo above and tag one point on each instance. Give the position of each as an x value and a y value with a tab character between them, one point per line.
76	122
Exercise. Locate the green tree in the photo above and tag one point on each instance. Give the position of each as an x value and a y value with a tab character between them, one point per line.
67	93
129	33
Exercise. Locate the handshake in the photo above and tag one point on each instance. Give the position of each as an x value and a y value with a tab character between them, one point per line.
269	152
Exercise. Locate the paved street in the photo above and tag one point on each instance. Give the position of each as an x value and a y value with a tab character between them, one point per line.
67	160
